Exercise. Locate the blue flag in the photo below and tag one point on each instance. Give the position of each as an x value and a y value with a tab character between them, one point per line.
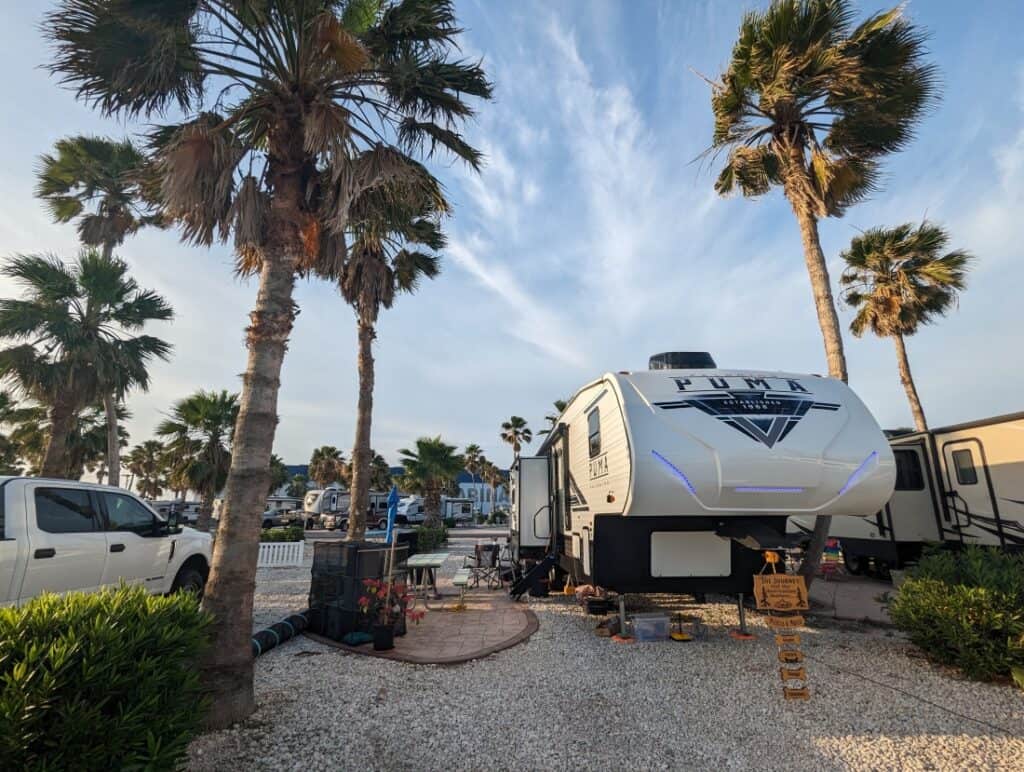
392	512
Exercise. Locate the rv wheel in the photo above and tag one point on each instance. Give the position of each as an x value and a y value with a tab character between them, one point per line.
855	564
310	524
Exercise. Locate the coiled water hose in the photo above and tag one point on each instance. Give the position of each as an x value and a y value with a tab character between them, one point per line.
279	632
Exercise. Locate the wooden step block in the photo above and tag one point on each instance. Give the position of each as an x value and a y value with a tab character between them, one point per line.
790	656
802	693
787	639
793	673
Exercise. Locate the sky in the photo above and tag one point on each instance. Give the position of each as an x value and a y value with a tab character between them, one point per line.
593	237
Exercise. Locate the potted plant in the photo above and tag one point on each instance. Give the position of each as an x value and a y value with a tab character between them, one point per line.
386	606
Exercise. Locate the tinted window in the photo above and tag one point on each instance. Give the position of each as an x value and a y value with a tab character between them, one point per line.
594	432
909	476
65	510
963	462
126	514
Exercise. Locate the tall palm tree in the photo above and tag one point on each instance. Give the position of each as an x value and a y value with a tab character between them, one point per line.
10	452
199	433
380	473
281	100
278	474
429	470
389	226
327	465
898	279
147	463
474	458
76	325
98	182
552	418
811	103
516	433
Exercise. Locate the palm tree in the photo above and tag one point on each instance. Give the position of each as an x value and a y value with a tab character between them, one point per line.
298	486
552	418
106	176
380	473
75	324
429	470
85	444
389	224
278	474
898	279
494	477
199	434
516	433
326	466
474	457
811	103
281	100
147	463
10	452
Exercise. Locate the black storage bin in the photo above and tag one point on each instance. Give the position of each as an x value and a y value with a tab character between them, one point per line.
409	539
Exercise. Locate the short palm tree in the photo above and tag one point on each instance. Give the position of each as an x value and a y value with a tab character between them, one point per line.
552	418
516	433
10	452
327	466
810	102
199	439
75	343
98	182
278	474
474	458
394	231
898	279
429	470
147	462
281	100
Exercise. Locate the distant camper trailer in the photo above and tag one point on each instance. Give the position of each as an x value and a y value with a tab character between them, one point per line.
329	508
675	479
961	484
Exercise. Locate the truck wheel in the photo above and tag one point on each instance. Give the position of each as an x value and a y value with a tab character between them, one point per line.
310	524
189	579
343	525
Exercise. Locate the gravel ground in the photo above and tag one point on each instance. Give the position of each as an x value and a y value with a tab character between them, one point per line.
566	698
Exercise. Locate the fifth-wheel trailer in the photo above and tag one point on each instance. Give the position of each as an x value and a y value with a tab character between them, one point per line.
958	485
674	479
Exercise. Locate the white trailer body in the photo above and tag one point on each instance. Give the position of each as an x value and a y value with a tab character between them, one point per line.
961	484
674	480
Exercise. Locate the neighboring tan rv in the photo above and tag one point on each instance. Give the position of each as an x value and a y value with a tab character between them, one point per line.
676	480
960	485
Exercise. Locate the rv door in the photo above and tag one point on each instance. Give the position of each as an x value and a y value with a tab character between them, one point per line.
969	488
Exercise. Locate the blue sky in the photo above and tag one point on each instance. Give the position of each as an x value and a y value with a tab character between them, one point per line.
591	239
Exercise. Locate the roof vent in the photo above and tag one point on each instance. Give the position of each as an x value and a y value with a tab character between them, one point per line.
682	360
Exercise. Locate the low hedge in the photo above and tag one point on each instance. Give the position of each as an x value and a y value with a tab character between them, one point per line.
100	681
966	609
283	533
429	539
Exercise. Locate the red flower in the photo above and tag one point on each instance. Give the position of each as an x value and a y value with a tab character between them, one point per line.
364	601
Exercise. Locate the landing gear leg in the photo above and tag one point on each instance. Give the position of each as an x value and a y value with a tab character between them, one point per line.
742	633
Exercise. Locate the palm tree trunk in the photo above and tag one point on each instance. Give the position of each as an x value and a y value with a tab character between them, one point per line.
55	458
432	508
113	442
228	664
205	511
908	384
359	499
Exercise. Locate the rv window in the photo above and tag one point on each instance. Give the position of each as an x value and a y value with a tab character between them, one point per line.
594	431
908	471
963	462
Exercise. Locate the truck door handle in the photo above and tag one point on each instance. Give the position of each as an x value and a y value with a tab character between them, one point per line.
48	552
117	548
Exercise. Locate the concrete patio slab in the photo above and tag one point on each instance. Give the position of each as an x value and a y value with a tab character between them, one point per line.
852	598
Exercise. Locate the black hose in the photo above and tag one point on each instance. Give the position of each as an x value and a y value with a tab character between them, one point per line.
279	632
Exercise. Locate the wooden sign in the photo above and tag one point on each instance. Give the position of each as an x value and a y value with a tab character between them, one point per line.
787	639
802	693
793	673
785	622
780	592
790	656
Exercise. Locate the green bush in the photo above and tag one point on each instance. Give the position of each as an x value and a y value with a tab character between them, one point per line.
429	539
283	533
102	681
966	609
449	522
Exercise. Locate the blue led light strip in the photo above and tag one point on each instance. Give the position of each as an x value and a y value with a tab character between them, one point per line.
676	471
858	473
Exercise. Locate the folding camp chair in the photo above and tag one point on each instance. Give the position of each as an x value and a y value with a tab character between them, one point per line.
483	566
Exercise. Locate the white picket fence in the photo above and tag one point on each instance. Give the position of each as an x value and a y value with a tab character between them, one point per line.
280	554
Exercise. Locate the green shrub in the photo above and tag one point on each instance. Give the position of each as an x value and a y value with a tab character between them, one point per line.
429	539
449	522
283	533
102	681
966	609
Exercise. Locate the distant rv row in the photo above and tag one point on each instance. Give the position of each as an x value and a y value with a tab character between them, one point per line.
678	478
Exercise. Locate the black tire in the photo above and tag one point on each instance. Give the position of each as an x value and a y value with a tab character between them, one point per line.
310	524
382	524
189	579
855	564
268	524
343	525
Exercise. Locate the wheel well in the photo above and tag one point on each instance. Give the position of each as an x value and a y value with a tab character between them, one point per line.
199	563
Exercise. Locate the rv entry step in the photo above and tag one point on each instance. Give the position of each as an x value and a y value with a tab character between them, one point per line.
525	582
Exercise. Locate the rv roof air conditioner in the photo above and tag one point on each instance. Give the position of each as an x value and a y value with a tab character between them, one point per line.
682	360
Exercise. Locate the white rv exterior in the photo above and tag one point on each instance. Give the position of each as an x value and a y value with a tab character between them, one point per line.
674	480
961	484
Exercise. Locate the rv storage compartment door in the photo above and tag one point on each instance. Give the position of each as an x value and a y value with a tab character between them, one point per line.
690	553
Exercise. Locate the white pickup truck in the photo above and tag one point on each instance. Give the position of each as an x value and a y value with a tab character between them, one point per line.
62	535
